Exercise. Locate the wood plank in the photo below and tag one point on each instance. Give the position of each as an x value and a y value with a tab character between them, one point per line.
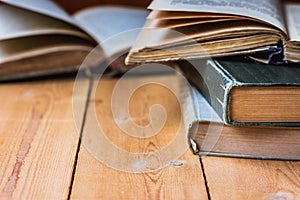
232	178
38	139
96	179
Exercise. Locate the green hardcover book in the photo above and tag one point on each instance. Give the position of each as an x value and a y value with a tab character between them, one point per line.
248	93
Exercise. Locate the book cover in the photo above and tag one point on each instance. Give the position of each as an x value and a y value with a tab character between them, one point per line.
245	93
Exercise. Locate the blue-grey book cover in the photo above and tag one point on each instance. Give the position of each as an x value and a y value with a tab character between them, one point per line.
244	93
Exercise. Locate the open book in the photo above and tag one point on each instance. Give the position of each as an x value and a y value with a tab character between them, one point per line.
179	29
38	37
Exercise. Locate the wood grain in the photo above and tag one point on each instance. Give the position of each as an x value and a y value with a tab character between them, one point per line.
96	180
230	178
38	139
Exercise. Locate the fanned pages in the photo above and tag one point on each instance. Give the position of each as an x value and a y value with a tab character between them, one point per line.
219	28
38	37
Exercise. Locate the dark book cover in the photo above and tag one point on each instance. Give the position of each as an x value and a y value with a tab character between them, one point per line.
244	93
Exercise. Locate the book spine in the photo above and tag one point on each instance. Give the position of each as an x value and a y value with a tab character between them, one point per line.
219	86
213	83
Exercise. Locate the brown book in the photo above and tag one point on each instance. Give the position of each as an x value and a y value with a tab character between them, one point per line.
249	142
40	37
266	30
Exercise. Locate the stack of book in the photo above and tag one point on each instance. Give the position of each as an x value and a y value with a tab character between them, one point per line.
220	46
257	105
256	109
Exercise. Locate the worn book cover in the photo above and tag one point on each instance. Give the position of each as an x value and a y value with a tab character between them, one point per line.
246	93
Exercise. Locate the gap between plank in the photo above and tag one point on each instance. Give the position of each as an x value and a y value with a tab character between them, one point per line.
91	81
205	179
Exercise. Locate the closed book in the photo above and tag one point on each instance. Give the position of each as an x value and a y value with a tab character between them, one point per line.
248	94
209	135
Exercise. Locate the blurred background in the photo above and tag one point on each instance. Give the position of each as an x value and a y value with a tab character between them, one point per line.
72	6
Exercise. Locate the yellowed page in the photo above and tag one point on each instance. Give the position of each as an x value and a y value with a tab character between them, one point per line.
162	37
265	10
159	14
176	23
16	22
293	20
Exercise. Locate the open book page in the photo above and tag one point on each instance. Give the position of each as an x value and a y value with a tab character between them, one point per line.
27	47
104	22
176	23
16	22
267	10
165	38
45	7
157	14
292	11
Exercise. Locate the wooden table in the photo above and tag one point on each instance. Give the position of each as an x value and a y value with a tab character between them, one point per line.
41	156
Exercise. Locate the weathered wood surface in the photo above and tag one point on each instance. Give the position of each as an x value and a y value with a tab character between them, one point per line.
230	178
38	139
96	180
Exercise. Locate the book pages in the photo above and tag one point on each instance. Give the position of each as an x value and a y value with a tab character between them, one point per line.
267	10
45	7
158	14
26	47
24	23
104	23
293	21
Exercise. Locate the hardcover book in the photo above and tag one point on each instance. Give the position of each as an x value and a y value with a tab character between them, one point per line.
267	31
39	37
209	135
247	93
